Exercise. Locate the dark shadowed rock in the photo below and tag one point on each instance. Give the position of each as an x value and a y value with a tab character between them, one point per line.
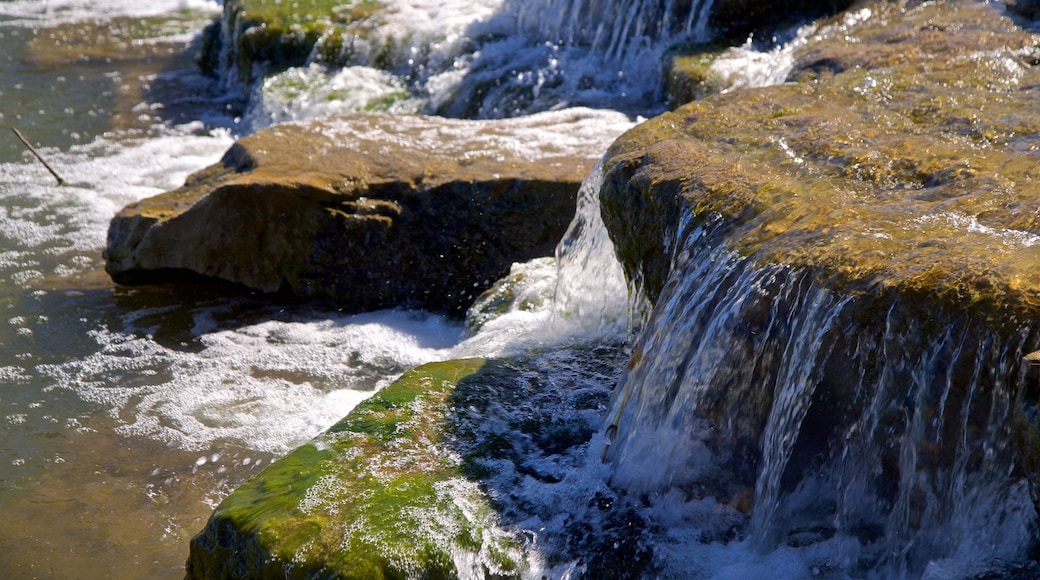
372	211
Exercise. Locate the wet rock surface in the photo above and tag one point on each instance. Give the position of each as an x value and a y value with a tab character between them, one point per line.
371	211
846	281
442	474
903	158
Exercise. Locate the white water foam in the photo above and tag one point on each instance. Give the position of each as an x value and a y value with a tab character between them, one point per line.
59	230
267	386
55	12
315	92
495	58
307	368
561	135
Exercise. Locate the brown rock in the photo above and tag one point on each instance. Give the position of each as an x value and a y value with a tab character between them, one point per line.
372	211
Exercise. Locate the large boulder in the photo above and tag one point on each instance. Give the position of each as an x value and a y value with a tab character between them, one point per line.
846	282
371	210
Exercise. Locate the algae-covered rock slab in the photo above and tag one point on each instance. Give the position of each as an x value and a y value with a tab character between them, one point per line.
371	210
432	478
378	496
905	158
256	37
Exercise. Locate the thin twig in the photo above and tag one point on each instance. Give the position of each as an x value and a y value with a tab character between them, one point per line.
32	150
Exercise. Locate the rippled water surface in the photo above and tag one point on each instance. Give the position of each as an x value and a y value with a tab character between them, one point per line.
126	414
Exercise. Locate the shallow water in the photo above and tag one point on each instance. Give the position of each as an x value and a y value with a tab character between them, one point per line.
127	414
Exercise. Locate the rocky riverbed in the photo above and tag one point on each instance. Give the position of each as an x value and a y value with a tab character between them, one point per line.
842	270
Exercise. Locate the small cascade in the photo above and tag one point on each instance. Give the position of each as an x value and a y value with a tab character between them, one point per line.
591	293
619	30
874	432
482	59
550	53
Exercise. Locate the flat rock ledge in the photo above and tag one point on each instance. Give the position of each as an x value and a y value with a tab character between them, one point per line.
371	210
905	159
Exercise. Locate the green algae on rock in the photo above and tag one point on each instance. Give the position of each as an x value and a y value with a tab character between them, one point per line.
689	75
867	176
377	496
409	484
258	37
371	210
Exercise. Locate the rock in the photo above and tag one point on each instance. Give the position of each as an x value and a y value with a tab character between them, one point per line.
690	76
371	211
368	499
865	171
256	37
876	232
409	484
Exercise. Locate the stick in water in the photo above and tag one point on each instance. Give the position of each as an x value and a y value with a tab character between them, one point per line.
32	150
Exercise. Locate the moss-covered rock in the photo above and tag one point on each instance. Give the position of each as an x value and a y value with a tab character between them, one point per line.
689	75
257	37
408	484
372	498
893	185
371	211
902	160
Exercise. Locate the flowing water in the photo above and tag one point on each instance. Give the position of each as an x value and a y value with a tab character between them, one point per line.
126	414
860	442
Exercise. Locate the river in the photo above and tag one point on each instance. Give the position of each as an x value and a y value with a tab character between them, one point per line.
127	414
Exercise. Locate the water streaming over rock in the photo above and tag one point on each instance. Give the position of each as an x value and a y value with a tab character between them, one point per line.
484	59
762	414
625	31
854	422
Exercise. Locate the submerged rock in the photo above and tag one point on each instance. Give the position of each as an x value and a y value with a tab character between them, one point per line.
439	475
372	211
846	276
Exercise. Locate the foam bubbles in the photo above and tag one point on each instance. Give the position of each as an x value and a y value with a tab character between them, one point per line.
568	133
55	12
315	92
60	230
266	386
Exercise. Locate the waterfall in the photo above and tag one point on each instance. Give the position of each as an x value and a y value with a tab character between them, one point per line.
478	59
864	423
619	29
591	294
